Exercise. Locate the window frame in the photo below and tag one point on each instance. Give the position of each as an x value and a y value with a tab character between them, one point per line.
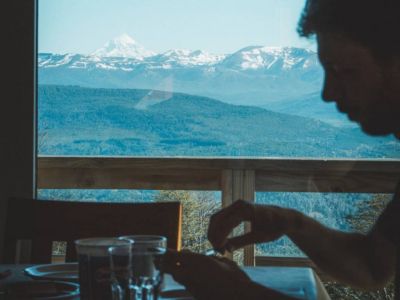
17	116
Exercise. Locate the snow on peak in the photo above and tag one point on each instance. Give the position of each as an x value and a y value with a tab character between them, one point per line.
189	57
124	53
123	46
125	39
263	57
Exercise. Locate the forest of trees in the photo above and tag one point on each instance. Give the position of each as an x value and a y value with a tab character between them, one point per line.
111	122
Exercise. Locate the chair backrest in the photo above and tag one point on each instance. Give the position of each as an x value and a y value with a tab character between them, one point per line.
44	221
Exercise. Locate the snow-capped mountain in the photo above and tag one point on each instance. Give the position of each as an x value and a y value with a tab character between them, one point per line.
123	46
260	57
186	57
253	75
123	51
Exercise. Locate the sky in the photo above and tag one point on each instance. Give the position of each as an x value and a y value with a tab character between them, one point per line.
216	26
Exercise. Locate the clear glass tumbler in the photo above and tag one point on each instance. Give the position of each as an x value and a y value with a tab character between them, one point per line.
94	266
121	271
146	273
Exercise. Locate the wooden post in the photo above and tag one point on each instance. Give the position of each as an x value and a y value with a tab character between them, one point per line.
239	184
227	193
248	194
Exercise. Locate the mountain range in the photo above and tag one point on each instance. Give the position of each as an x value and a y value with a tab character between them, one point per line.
92	121
254	75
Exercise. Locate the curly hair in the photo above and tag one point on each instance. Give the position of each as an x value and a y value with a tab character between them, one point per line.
373	23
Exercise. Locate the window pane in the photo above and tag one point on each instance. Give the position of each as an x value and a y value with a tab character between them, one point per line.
112	81
206	78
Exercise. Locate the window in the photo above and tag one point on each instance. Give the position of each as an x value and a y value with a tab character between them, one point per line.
206	79
133	84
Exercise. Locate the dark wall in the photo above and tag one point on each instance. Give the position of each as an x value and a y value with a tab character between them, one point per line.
17	104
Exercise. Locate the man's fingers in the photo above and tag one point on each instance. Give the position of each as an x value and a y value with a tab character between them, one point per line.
241	241
180	265
170	261
173	259
190	269
223	222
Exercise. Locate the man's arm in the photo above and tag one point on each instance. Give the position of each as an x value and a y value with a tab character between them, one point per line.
364	261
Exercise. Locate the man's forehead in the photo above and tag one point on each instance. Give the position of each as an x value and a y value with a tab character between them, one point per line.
335	48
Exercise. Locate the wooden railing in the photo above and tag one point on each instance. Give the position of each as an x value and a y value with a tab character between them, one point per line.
236	178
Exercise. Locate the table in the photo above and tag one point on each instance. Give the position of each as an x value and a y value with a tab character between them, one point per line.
300	282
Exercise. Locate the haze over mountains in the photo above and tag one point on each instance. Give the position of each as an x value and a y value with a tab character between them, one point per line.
254	75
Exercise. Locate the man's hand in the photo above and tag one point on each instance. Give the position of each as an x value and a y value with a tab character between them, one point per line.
206	277
268	223
210	277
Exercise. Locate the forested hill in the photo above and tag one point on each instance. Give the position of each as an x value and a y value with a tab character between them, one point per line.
93	121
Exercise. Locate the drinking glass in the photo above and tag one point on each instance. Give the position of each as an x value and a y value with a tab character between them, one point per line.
94	266
146	276
121	272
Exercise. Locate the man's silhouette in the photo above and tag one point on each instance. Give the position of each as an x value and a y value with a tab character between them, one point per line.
359	49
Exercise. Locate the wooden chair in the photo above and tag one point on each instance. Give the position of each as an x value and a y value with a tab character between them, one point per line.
44	221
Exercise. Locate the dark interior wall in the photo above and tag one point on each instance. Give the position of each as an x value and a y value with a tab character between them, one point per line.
17	104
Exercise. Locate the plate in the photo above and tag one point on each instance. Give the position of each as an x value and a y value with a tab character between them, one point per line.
60	272
43	290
